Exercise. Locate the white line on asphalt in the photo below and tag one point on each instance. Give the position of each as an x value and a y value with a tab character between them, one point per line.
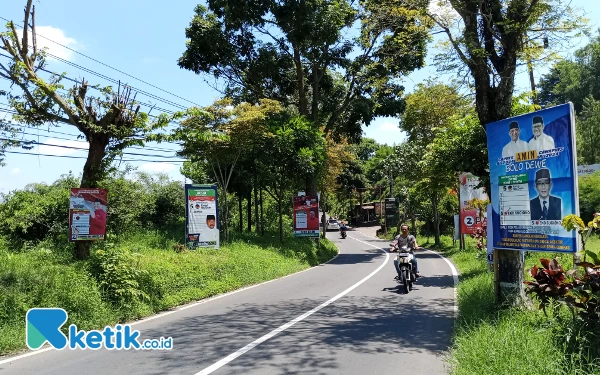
177	309
452	269
454	276
253	344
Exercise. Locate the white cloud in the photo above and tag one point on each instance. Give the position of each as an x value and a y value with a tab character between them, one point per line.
15	171
157	167
56	35
389	127
46	148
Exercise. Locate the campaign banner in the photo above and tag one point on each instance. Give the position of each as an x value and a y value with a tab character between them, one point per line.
306	216
201	216
585	170
470	217
392	212
87	214
534	180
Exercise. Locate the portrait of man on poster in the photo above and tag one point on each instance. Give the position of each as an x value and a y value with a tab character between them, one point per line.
515	145
545	206
540	141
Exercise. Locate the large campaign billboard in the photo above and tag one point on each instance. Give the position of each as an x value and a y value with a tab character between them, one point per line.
202	216
471	218
306	216
533	177
87	214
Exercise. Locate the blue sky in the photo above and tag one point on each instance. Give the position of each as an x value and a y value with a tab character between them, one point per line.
144	41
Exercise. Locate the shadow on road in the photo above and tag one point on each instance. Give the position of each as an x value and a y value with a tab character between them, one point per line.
385	323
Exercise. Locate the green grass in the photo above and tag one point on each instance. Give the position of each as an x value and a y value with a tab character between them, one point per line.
493	340
45	276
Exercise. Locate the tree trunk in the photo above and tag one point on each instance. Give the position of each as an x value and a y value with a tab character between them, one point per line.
249	210
92	174
262	214
241	211
436	217
225	220
315	93
256	221
302	103
279	209
509	277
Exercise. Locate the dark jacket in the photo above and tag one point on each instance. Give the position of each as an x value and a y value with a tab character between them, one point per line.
554	211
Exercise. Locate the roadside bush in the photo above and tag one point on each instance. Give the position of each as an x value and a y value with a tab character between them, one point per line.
118	274
589	196
30	215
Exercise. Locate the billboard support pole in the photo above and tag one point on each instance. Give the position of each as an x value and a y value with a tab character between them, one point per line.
510	269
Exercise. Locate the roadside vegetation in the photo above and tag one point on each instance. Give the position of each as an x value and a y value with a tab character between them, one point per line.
141	269
489	339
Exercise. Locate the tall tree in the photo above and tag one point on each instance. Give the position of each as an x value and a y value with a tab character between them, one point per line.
588	132
569	80
219	135
429	110
110	123
489	43
293	150
299	52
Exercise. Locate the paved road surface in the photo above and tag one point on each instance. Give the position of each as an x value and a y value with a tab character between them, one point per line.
353	320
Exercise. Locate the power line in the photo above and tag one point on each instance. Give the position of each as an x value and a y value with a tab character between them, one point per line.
83	157
85	149
150	148
108	66
114	81
77	140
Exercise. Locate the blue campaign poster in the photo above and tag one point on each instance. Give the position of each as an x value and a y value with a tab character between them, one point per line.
533	177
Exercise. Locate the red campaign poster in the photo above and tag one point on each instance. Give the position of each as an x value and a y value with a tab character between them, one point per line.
87	214
470	217
306	216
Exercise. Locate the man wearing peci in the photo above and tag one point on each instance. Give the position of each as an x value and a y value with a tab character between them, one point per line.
545	206
540	141
515	145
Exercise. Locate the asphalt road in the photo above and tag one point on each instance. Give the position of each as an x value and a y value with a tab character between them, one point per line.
345	317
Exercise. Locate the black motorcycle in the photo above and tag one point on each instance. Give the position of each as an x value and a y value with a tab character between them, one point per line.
343	232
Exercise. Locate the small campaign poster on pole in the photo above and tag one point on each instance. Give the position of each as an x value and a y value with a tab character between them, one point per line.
87	214
533	177
471	218
306	216
202	216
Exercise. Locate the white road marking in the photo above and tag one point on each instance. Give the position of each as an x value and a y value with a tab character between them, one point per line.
452	269
454	276
169	312
215	366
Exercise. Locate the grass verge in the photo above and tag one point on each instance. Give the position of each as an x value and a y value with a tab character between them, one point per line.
493	340
136	277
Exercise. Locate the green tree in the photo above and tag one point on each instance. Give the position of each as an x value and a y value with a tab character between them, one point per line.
300	53
218	136
293	151
569	80
429	110
110	123
495	37
588	132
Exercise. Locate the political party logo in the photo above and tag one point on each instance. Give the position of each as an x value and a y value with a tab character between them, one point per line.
42	325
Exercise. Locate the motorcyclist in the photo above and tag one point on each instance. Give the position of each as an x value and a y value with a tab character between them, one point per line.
342	226
405	239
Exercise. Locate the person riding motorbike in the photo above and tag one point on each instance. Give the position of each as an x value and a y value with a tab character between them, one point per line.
405	239
342	227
